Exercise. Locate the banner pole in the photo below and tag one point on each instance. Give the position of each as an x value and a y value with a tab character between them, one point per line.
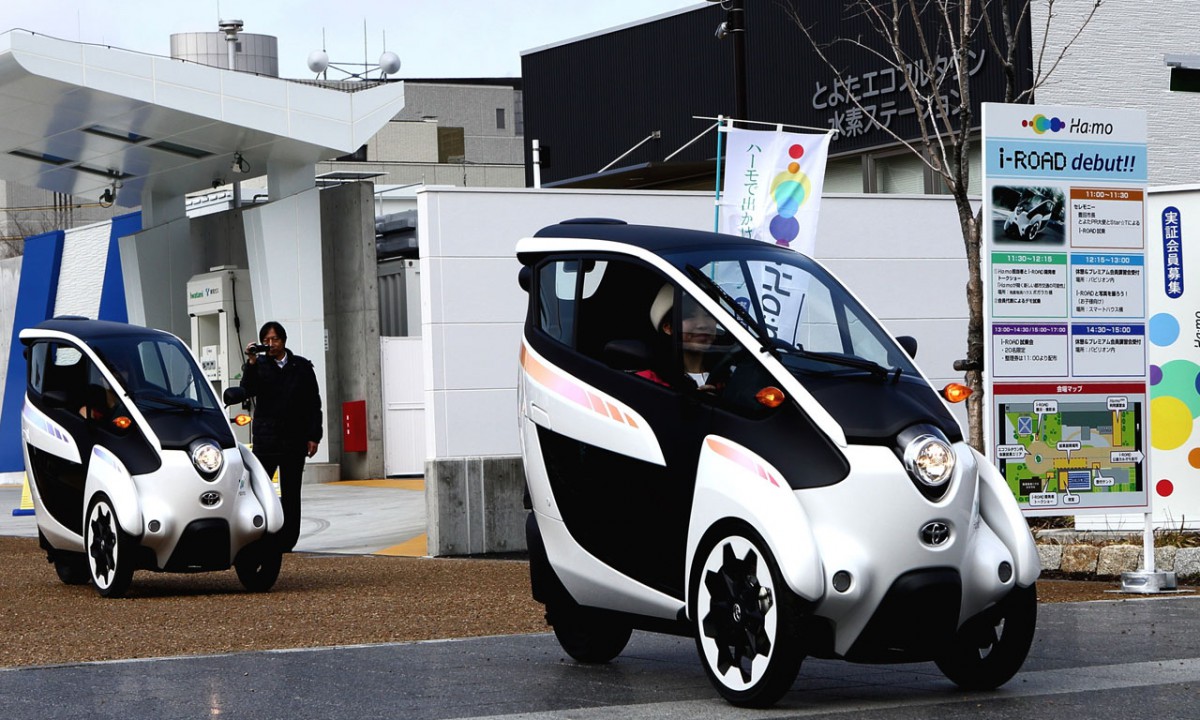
717	188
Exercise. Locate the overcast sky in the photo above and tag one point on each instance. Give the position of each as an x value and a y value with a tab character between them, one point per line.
434	38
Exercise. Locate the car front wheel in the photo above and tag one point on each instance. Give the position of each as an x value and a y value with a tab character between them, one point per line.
747	619
258	566
109	549
991	648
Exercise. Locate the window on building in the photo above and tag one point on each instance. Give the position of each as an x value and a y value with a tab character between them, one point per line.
844	175
900	173
499	118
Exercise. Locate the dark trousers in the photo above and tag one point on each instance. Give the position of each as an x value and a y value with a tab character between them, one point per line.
291	470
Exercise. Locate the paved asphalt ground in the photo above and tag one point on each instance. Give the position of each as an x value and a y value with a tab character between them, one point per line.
1102	660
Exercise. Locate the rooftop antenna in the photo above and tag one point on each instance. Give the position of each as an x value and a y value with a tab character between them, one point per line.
389	62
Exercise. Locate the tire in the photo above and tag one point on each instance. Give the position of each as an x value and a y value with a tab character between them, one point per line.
747	619
72	568
988	652
588	635
258	566
110	550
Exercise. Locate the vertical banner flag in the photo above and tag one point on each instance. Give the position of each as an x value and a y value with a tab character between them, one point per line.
772	186
772	193
1173	263
1065	262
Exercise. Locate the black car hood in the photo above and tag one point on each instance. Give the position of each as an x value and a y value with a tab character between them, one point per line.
873	411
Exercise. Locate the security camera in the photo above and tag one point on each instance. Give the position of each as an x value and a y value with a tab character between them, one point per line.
106	198
722	31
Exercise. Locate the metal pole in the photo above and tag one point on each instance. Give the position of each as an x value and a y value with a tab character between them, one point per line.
737	18
537	163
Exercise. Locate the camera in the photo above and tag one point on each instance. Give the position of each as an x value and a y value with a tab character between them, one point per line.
258	349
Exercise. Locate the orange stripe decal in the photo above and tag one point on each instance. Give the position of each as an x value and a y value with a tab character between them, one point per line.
741	458
565	387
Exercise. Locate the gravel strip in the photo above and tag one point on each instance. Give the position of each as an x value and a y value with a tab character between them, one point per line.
320	600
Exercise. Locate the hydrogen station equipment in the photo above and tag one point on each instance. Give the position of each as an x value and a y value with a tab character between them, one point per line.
221	309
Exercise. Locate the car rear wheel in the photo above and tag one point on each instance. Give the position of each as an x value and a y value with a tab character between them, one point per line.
258	566
72	568
109	549
747	619
989	650
587	634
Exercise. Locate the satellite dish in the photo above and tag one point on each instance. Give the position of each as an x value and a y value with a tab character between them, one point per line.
318	61
389	63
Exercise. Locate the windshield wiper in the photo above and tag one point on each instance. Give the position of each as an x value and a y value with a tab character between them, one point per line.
849	361
165	401
714	290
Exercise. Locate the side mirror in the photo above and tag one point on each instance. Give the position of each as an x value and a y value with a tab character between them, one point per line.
233	396
909	343
627	355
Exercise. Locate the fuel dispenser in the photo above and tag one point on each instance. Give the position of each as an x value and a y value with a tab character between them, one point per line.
222	316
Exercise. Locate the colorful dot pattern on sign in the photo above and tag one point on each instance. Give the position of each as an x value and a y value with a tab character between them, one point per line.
789	190
1174	401
1041	123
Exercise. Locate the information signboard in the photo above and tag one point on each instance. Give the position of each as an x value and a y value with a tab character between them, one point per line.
1066	314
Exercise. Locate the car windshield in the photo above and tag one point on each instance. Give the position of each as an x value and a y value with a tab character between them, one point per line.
158	372
797	310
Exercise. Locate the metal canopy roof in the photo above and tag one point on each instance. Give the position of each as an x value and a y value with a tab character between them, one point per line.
79	119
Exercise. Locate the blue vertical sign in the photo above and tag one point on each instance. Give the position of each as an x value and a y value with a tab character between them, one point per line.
1172	236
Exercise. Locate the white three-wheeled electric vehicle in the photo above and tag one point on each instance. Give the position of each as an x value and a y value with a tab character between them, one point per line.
720	441
132	463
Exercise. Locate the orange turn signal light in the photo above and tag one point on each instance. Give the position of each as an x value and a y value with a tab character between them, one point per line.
122	422
956	392
770	396
241	419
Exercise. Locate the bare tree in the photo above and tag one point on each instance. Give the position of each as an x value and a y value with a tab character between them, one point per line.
928	44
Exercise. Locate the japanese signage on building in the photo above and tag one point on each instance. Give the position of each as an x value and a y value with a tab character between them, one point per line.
1066	313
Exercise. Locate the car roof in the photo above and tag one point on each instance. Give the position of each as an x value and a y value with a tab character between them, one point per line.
86	329
653	238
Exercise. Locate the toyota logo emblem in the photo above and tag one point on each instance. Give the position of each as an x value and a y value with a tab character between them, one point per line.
210	498
935	533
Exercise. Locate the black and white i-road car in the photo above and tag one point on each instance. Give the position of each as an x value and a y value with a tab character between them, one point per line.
720	441
132	463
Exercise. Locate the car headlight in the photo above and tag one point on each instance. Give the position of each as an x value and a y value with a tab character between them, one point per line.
930	460
207	457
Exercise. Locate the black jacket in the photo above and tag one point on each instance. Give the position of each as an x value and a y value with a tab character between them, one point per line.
287	410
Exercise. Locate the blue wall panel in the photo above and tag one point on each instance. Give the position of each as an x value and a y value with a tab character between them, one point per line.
35	303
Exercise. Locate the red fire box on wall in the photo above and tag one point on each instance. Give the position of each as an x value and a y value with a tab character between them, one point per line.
354	426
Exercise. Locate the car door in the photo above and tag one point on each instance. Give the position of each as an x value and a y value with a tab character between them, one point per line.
55	428
623	503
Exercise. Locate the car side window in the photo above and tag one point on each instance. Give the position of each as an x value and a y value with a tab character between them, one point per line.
37	366
557	281
614	325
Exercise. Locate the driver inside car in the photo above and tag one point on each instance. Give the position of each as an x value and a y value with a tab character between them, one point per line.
698	333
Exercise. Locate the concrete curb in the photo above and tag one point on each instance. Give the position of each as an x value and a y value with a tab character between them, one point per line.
1084	560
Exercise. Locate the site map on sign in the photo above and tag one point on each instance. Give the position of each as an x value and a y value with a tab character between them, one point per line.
1052	450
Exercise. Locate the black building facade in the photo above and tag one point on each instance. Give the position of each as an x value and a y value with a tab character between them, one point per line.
589	100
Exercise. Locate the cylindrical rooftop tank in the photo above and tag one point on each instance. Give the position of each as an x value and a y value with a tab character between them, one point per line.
252	53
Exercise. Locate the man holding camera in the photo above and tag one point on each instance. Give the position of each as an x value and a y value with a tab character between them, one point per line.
287	417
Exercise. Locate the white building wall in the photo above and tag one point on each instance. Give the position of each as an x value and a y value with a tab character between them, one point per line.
903	256
10	280
1118	63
